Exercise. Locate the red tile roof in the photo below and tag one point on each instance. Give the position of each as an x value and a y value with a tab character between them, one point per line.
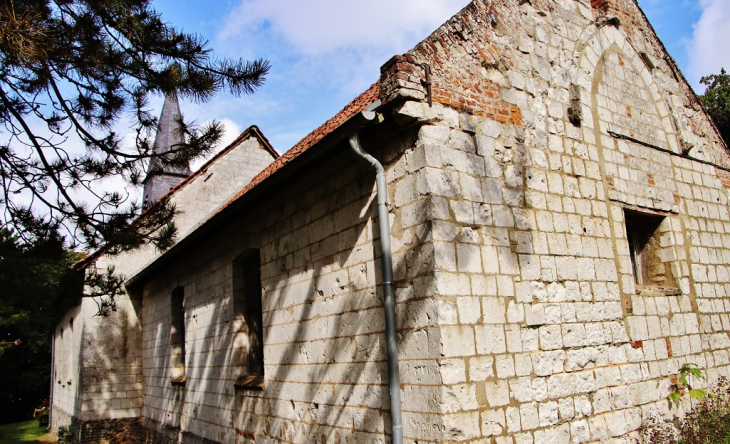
352	108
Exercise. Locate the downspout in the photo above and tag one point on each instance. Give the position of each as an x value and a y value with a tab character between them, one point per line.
386	261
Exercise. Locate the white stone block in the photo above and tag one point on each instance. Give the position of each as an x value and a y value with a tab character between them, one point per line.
534	314
515	313
529	416
505	366
548	412
457	341
469	310
490	339
481	368
550	337
493	422
453	371
494	310
497	393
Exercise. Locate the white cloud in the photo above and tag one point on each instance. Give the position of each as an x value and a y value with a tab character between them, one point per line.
323	53
231	130
318	26
709	49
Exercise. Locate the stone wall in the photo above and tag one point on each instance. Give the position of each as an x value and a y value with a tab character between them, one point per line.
98	359
521	315
546	337
67	339
111	361
97	364
323	322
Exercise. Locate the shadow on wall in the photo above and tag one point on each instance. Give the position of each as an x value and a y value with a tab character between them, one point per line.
110	379
332	368
324	335
325	354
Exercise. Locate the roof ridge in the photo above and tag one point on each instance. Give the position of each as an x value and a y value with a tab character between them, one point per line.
251	130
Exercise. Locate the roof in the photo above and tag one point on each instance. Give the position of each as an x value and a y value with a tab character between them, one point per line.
357	105
351	109
252	131
321	139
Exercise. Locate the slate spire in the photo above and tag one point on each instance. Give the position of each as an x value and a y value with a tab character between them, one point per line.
162	178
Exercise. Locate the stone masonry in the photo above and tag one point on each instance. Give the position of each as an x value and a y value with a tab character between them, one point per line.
561	241
98	360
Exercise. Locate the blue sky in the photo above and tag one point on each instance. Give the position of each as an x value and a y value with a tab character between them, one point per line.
325	52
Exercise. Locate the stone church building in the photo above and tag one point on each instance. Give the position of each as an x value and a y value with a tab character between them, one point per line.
556	204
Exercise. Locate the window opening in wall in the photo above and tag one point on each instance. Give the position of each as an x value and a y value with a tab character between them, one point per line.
61	370
248	331
643	232
177	335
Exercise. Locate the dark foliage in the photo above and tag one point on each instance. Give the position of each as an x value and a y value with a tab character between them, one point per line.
36	284
716	101
72	70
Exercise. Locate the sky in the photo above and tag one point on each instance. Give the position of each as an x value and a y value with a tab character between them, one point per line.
325	52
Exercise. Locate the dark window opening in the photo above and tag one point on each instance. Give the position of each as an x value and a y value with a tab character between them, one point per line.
248	341
643	233
177	335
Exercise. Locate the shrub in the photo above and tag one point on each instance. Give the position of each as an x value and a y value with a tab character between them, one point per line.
41	414
708	422
65	435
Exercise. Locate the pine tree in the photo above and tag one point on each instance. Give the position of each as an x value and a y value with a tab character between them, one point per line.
73	69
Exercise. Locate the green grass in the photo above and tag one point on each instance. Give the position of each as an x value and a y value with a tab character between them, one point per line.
24	432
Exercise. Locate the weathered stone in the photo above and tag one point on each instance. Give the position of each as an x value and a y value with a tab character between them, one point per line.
515	217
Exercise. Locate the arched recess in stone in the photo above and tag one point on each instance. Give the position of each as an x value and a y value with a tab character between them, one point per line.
619	94
622	101
589	54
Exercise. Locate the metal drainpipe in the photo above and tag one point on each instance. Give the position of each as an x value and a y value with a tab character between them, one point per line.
386	261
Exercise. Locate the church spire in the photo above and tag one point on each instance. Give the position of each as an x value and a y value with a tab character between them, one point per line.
162	178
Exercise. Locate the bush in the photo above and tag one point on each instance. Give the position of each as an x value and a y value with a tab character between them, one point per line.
707	423
41	414
65	435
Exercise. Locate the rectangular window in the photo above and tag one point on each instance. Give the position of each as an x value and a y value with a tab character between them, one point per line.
248	341
177	336
643	232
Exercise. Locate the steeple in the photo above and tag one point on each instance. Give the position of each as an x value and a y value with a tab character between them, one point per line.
162	178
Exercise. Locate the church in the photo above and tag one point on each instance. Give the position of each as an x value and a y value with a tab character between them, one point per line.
518	234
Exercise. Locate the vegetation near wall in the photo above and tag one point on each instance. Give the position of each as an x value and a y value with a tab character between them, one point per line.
36	283
716	101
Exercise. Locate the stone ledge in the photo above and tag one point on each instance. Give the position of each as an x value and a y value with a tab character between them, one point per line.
654	291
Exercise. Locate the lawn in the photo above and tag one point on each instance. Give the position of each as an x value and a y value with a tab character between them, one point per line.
25	432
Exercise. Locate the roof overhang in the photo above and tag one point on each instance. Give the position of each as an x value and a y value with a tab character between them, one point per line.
278	178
